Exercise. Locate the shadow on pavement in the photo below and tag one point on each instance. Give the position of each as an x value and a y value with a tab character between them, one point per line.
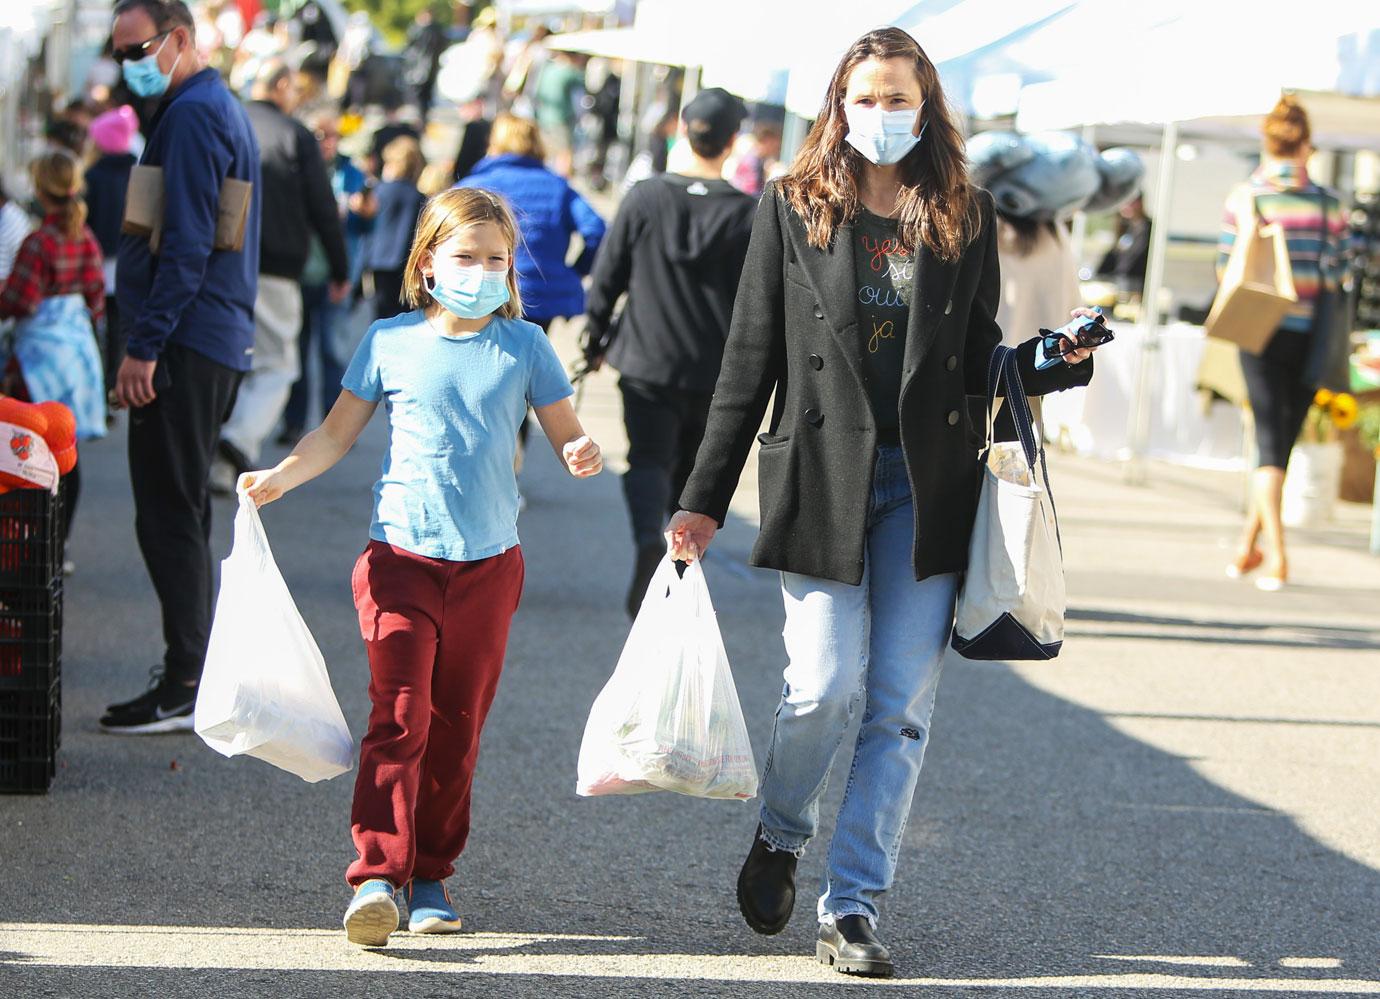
1043	842
1275	633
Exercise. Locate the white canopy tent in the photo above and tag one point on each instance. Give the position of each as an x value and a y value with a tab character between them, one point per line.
1229	66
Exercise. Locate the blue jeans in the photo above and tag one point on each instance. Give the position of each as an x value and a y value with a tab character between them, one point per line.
323	323
881	644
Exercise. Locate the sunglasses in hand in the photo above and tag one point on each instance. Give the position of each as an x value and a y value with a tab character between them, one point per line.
1083	332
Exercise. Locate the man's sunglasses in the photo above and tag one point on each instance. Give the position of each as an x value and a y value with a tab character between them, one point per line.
1092	332
136	52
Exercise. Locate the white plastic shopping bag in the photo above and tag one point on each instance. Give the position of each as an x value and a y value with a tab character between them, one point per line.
669	718
265	691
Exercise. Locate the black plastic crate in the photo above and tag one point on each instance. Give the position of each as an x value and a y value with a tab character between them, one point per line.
31	552
31	544
30	733
30	637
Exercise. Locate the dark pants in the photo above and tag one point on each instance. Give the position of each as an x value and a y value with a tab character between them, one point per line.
436	633
171	443
321	319
114	341
388	287
665	426
1279	395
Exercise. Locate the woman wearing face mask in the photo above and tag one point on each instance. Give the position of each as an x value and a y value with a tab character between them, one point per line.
867	304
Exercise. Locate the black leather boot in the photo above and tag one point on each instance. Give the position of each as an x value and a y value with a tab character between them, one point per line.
850	946
766	887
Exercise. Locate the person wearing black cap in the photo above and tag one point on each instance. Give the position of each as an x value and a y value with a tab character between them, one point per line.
676	247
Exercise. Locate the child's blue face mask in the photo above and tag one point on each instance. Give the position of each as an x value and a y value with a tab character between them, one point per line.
468	292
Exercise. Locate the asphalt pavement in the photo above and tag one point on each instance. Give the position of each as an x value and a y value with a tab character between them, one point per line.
1182	804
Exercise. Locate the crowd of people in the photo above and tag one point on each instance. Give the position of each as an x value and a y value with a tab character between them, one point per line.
875	308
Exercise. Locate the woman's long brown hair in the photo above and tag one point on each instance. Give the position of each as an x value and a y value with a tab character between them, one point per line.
936	206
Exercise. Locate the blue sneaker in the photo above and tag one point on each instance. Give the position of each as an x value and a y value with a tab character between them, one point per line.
429	909
372	915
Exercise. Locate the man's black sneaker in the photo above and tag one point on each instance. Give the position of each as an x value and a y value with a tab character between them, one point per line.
234	456
849	945
766	887
167	706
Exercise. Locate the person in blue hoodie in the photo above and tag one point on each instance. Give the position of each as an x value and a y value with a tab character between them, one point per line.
549	213
188	318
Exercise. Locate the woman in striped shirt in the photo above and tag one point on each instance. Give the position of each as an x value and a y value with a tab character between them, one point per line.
1277	380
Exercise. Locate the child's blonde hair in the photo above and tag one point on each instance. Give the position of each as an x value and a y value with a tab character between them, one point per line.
58	179
444	215
403	159
513	134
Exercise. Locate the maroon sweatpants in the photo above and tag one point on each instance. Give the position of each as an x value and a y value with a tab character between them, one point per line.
436	632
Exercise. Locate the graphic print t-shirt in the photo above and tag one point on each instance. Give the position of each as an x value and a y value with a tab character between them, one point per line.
885	272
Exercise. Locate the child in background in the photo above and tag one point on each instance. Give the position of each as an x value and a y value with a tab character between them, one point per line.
107	180
56	291
399	201
440	579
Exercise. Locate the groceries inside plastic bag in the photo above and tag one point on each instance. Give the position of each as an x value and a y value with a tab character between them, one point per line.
265	691
669	718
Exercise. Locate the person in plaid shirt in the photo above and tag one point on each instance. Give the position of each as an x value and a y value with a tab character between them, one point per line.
51	262
57	292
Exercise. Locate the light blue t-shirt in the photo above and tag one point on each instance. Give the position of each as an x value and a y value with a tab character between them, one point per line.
454	406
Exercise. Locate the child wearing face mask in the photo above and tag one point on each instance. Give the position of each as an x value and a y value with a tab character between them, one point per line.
438	583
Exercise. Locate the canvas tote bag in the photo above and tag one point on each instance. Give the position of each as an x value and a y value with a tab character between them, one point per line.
1012	602
1257	288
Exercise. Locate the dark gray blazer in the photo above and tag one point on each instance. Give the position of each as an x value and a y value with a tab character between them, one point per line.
795	333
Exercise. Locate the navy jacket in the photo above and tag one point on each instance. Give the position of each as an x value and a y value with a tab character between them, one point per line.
548	213
107	180
394	223
190	294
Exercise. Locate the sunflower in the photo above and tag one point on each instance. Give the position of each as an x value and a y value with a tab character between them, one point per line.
1344	410
1323	398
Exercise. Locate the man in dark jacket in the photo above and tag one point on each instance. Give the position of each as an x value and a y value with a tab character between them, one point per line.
677	248
298	201
188	317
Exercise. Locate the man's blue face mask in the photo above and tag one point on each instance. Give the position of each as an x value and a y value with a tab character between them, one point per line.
144	77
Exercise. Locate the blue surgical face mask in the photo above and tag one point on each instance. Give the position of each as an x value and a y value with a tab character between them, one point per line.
145	78
468	292
884	137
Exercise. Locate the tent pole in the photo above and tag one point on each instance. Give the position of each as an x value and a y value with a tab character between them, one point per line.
1079	235
1149	306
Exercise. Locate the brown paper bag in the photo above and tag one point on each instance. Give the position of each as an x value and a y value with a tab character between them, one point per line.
144	209
1257	287
235	199
144	202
